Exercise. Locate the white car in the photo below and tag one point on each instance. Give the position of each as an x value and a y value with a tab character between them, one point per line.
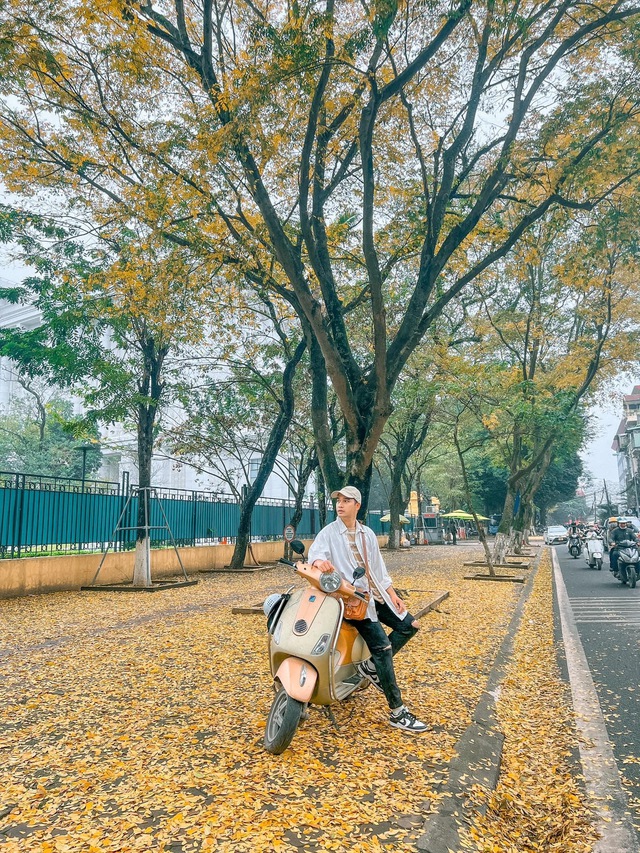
554	534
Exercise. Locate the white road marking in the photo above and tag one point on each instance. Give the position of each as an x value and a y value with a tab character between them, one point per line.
602	779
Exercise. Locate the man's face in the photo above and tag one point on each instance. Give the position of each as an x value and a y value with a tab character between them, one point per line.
347	508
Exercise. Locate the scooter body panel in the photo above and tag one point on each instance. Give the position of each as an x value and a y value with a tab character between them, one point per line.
298	678
594	551
629	557
338	647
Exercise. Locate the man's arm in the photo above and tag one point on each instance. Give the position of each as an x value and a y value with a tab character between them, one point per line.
320	552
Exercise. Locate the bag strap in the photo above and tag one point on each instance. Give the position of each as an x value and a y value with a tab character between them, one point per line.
366	561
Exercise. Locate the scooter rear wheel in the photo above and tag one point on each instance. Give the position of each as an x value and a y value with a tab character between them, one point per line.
282	722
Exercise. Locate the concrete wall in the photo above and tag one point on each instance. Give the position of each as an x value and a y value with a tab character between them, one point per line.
33	575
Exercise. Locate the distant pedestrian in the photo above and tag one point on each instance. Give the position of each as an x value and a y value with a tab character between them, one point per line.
453	530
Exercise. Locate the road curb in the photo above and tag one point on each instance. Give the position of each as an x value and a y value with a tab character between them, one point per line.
602	780
478	751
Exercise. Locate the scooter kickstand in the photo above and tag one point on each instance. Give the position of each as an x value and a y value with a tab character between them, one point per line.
332	719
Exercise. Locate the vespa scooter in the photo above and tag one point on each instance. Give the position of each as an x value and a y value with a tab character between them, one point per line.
594	549
313	653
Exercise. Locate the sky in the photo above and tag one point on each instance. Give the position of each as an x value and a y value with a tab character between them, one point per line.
597	455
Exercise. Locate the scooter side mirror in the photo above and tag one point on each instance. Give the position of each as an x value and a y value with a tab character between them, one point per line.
297	546
359	573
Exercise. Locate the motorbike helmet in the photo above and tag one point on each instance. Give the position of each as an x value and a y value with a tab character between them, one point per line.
273	606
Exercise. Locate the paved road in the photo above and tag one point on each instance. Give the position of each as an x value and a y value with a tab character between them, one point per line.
607	617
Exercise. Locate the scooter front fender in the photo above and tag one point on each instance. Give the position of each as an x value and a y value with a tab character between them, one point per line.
298	678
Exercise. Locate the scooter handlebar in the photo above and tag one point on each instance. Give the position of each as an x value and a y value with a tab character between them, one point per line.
287	562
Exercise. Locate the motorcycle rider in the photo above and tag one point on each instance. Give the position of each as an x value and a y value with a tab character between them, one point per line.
620	534
346	542
575	532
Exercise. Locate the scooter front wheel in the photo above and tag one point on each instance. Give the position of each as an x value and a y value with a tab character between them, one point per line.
282	722
632	576
599	564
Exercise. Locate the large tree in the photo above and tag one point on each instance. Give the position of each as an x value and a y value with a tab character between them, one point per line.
243	418
115	319
366	162
555	327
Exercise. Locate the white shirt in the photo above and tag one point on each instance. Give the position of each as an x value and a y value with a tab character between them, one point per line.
332	543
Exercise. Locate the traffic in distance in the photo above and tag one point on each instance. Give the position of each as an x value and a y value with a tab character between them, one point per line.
619	536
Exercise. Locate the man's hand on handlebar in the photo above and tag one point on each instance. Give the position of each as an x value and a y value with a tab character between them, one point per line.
324	565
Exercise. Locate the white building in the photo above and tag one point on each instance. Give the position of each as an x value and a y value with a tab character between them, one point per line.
23	317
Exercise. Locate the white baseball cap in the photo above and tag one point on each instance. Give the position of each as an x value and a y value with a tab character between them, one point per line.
348	492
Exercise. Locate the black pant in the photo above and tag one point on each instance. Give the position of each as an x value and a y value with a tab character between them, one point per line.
613	559
383	647
402	629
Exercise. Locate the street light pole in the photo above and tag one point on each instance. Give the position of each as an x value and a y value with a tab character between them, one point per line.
84	448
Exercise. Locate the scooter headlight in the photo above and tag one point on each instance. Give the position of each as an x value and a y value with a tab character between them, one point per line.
278	632
321	646
330	581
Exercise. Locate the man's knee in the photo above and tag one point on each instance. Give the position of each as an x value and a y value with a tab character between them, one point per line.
409	626
379	648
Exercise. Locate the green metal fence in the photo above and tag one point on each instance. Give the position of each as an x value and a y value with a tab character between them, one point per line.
54	515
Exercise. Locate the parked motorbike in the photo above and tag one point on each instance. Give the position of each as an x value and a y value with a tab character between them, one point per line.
594	551
313	653
628	562
574	545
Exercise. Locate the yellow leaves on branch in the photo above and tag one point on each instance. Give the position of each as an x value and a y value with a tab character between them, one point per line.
491	422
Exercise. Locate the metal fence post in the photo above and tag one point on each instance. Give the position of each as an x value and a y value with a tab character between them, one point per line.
124	497
17	528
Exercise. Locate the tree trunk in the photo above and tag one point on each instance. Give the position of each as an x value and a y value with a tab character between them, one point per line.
322	500
503	541
142	563
276	437
303	478
395	510
331	473
150	388
467	491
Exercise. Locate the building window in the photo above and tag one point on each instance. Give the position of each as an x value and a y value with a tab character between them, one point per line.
254	467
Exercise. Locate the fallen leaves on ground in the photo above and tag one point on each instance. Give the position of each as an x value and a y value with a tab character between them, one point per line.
135	721
538	804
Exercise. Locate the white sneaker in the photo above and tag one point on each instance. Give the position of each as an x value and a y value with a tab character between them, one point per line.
407	721
367	670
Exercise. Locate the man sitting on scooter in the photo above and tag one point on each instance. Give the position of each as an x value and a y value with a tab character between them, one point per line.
620	534
349	544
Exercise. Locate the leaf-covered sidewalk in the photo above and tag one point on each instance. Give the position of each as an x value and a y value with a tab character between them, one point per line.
135	721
